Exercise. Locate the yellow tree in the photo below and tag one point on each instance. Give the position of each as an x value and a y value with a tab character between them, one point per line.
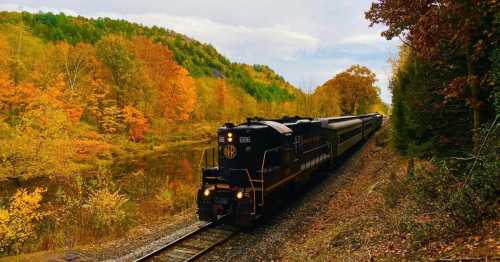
179	95
38	143
36	148
355	89
22	52
46	68
18	222
205	99
125	70
221	98
80	66
325	100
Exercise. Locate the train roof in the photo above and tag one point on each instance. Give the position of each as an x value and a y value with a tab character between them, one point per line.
342	124
369	115
281	128
282	125
284	119
337	118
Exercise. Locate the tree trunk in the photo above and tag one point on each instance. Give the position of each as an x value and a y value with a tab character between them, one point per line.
410	167
474	97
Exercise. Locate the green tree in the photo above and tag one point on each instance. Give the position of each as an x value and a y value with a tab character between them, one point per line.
124	68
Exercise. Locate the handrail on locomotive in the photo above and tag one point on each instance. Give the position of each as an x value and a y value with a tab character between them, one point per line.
204	156
262	171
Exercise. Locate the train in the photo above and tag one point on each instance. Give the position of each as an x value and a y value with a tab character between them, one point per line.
255	161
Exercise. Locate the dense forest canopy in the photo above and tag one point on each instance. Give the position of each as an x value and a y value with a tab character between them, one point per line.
201	60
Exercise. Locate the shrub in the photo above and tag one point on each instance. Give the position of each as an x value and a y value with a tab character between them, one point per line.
164	199
392	191
176	197
18	222
107	210
465	187
444	194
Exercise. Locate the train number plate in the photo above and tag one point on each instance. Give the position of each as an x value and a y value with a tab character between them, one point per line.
223	186
245	139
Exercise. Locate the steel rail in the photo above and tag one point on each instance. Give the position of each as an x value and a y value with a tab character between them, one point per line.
185	238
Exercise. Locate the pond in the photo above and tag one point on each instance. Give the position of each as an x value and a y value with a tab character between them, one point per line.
163	183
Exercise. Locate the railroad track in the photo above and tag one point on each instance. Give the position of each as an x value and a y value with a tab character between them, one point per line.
192	245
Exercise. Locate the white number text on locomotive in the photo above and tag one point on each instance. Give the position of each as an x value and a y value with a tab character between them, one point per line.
245	139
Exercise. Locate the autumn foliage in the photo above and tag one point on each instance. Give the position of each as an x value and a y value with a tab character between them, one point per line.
136	122
445	104
18	221
351	92
458	38
89	108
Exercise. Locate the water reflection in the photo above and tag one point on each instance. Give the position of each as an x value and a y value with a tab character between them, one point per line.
163	183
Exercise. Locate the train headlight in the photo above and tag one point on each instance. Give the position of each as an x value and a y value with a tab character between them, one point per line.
229	139
239	195
206	192
229	134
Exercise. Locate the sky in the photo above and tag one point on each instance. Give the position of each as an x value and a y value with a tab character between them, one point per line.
305	41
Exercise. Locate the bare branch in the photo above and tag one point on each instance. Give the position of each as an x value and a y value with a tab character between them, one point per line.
407	43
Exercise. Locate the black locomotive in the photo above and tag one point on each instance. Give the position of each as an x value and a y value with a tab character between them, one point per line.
258	158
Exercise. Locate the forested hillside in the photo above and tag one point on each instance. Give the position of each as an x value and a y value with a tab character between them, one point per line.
201	60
